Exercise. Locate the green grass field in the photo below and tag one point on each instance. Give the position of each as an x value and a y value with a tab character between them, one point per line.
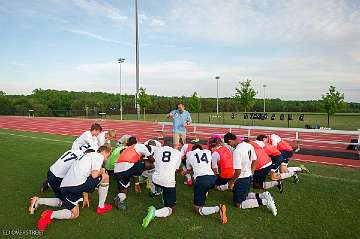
339	121
325	204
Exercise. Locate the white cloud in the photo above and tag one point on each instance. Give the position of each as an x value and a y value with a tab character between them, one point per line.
157	22
96	36
94	7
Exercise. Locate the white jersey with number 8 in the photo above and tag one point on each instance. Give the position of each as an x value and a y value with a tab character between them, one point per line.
167	161
200	162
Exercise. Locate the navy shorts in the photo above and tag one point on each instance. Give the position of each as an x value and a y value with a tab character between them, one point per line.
169	195
276	161
74	193
55	183
123	178
202	185
286	155
260	175
241	189
221	181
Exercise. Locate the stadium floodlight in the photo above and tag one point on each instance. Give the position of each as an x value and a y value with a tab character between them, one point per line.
137	60
264	86
217	78
120	61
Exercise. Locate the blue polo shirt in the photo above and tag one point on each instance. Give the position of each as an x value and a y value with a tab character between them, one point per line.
179	119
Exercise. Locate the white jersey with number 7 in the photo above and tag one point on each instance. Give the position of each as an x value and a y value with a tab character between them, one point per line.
167	161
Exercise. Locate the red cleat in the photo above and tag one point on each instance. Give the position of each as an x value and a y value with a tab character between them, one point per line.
102	210
189	183
45	220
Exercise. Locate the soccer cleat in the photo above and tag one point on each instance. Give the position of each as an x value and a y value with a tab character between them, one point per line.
119	204
280	186
44	186
102	210
34	204
270	203
149	217
45	220
189	183
304	169
222	212
296	178
157	192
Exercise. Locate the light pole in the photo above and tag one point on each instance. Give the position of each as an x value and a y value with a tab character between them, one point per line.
137	60
264	86
121	60
217	78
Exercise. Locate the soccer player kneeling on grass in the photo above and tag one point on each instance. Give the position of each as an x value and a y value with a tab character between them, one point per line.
199	161
88	137
244	158
131	163
83	177
55	175
221	158
167	162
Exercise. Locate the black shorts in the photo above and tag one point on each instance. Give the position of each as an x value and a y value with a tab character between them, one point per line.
169	195
241	189
202	185
260	175
74	193
55	183
123	178
221	181
276	161
286	155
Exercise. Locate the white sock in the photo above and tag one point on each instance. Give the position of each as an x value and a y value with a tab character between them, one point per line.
294	169
122	196
253	196
223	187
163	212
286	175
103	190
61	214
271	184
52	202
204	211
251	203
152	186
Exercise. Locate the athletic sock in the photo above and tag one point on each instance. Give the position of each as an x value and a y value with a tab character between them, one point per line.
294	169
103	190
224	187
255	196
122	196
204	211
270	184
286	175
188	176
250	203
163	212
61	214
52	202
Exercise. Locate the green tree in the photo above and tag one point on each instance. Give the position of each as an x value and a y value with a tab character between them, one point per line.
194	104
144	99
245	96
332	102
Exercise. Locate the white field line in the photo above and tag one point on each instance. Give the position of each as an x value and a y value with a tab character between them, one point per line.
333	178
34	137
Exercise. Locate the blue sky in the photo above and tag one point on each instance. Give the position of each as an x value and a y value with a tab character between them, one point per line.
297	48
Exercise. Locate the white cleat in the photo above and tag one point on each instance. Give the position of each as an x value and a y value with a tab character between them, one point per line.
270	203
34	204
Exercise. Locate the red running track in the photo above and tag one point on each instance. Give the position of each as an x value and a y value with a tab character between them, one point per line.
146	130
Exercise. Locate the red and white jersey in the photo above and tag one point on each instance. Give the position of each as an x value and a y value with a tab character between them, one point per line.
130	156
185	149
167	161
200	162
279	143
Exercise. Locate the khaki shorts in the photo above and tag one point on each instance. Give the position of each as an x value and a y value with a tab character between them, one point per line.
176	139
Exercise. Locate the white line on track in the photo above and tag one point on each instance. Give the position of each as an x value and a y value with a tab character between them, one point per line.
34	137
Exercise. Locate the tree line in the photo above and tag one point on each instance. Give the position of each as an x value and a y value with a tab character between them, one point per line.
47	102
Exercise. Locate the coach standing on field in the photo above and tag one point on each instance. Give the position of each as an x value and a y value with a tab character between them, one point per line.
181	119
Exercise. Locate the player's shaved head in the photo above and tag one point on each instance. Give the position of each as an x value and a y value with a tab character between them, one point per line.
131	141
197	146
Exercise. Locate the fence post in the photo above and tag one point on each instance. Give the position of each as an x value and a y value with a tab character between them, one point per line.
297	142
248	132
358	145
